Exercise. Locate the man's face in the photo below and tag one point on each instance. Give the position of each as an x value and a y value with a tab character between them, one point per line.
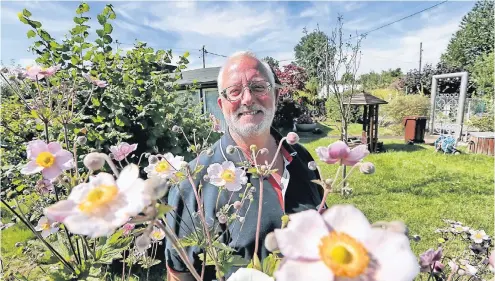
252	114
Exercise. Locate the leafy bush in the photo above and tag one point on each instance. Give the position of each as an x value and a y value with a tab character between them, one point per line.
483	123
304	119
287	111
142	100
405	105
333	114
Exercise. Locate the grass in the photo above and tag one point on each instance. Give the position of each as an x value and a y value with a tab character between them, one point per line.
420	187
412	183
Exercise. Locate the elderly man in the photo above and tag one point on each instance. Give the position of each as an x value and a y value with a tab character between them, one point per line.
248	100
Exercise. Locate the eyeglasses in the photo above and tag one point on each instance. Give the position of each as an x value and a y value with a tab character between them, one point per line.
256	88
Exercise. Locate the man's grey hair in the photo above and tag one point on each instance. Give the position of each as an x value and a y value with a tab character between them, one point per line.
266	67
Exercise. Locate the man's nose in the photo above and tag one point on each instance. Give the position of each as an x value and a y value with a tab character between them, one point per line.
247	97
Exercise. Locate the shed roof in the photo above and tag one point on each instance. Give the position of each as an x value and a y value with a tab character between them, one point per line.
364	98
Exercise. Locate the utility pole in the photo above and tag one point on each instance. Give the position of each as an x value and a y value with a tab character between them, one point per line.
204	51
326	72
420	57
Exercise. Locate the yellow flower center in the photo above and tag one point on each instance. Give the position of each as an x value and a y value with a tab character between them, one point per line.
157	235
344	255
162	166
98	197
45	226
228	176
45	159
478	236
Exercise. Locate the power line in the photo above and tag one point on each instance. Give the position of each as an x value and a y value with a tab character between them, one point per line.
401	19
215	54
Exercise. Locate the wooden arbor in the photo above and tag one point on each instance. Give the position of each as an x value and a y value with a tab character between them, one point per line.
370	117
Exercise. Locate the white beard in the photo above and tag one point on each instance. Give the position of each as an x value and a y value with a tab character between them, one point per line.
249	130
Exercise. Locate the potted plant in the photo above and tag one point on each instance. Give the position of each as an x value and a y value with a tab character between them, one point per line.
305	123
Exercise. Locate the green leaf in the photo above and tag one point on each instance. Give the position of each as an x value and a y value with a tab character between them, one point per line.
163	209
74	60
100	32
441	240
270	264
95	101
79	20
108	49
83	8
31	34
107	28
107	39
26	13
119	122
33	23
45	35
102	19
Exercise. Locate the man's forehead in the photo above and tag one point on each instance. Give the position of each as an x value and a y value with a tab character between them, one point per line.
244	68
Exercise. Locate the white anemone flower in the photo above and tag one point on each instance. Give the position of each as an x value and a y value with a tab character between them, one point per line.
46	227
165	168
157	234
478	236
249	274
340	244
99	207
227	175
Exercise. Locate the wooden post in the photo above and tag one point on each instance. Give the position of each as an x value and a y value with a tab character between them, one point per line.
372	123
376	128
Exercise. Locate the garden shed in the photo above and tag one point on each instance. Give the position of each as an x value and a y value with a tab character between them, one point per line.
370	117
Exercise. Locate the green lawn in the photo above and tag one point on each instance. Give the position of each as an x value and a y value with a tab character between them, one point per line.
420	187
411	183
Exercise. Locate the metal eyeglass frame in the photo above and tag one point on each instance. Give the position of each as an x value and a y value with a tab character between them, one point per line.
268	89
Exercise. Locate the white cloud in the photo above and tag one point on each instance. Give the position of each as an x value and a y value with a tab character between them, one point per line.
233	21
126	26
127	10
351	6
24	62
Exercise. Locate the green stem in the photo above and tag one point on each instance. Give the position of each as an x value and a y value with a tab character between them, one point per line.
88	247
39	236
258	224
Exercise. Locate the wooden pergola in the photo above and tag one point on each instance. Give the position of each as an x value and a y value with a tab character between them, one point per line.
370	116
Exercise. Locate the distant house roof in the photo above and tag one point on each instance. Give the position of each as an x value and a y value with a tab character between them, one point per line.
205	77
364	98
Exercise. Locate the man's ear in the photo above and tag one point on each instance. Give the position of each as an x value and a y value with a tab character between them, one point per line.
219	101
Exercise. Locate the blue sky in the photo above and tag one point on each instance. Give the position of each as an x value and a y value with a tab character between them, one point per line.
266	28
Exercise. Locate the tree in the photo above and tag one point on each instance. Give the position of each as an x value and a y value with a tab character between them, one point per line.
293	79
271	62
474	38
310	52
482	75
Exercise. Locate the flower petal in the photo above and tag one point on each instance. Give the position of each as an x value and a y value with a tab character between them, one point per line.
60	210
233	186
214	170
36	147
338	150
348	219
356	155
45	233
308	224
291	270
228	165
92	226
51	172
54	147
79	192
31	168
396	261
127	177
64	159
245	274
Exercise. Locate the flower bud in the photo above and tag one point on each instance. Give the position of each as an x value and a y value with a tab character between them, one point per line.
156	187
25	192
312	165
9	174
209	152
237	205
328	182
222	219
18	244
292	138
81	140
241	219
5	70
416	238
271	242
230	149
153	159
175	129
367	168
94	161
206	178
194	130
253	147
264	151
147	155
143	242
